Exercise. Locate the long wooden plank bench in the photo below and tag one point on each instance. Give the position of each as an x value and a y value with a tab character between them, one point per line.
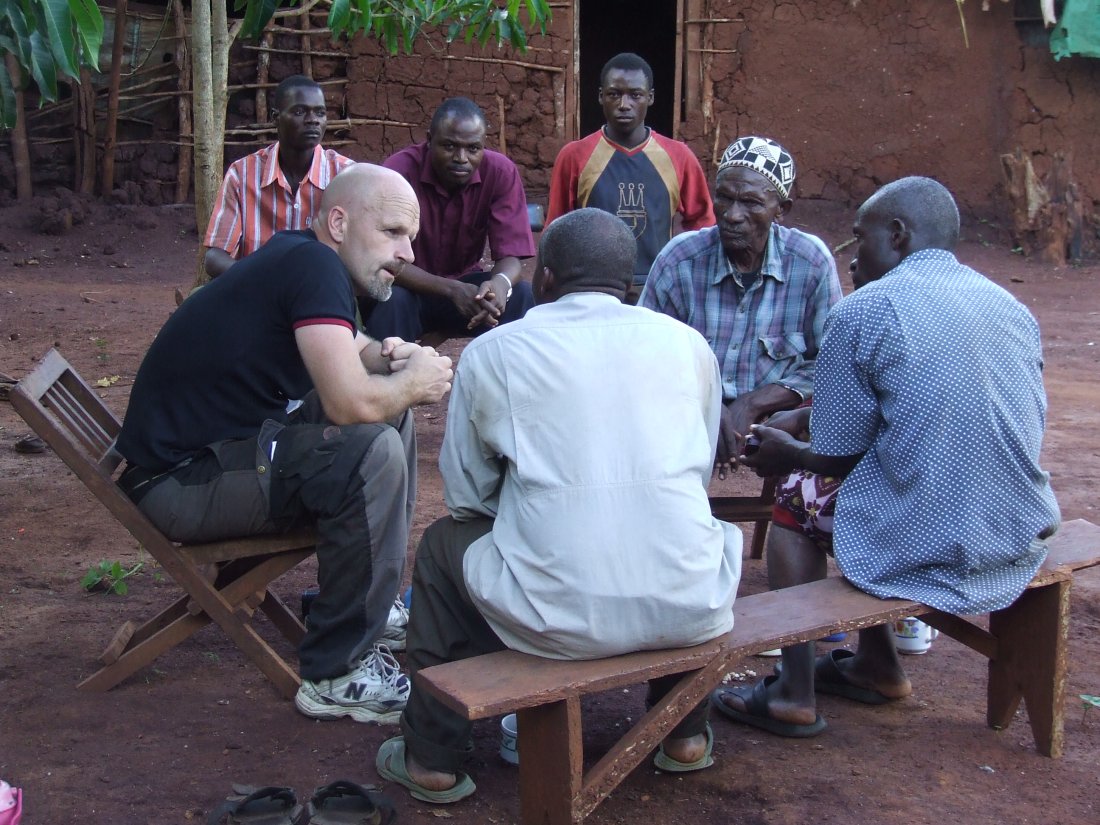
1025	644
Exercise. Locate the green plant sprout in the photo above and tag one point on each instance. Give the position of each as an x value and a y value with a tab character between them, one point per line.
144	558
109	576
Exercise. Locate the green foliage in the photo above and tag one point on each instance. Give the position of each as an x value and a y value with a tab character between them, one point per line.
50	39
109	576
256	13
397	23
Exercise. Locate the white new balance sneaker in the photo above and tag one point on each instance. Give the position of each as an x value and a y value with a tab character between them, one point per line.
396	626
374	691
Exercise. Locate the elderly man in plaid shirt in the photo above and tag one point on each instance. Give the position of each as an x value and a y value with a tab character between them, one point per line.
756	290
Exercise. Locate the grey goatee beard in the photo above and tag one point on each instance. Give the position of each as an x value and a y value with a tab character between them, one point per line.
379	291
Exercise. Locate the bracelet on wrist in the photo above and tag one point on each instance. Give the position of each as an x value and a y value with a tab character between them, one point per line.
507	280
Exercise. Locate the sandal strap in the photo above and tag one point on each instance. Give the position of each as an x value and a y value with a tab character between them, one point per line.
238	804
379	804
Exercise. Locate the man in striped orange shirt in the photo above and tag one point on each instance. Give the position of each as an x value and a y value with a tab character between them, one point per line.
278	187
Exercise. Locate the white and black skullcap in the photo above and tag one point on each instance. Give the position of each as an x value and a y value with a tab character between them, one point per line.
765	156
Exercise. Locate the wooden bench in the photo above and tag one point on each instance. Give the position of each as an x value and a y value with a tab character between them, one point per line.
1025	644
756	510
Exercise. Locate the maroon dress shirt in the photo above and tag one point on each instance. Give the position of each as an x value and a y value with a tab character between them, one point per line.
455	225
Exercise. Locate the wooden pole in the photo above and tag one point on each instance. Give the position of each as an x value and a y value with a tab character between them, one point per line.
305	53
307	58
85	132
78	151
183	104
678	75
572	85
693	69
112	98
20	150
233	88
501	61
263	75
707	49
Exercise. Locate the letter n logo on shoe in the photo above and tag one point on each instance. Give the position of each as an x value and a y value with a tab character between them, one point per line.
355	691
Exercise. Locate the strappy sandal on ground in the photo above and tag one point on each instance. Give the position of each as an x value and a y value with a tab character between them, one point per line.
347	803
248	805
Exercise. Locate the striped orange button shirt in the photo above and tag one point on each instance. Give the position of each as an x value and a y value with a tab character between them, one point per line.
255	200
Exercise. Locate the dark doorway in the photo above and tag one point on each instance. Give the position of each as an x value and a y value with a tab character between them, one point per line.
646	27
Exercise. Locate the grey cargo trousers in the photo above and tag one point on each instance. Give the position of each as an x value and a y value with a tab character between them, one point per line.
356	483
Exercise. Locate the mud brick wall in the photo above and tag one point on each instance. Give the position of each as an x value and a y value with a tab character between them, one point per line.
865	92
860	92
408	89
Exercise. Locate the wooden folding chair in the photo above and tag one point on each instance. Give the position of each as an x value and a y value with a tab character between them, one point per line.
757	509
223	582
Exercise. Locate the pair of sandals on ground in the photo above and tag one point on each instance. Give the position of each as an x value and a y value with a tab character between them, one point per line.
339	803
828	678
346	803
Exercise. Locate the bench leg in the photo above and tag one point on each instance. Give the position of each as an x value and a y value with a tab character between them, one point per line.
1031	663
550	763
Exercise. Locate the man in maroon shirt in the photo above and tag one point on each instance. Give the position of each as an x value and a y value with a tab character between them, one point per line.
468	194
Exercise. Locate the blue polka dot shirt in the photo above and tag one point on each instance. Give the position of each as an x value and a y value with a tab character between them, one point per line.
935	374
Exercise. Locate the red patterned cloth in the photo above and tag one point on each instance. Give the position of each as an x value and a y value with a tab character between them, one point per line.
804	502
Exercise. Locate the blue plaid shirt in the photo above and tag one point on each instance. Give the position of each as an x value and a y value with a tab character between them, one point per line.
766	334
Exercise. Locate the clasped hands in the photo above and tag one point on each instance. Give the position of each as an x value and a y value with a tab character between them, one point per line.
482	304
769	449
433	371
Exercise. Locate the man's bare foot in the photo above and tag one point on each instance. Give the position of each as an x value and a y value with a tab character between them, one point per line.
883	677
779	707
429	779
687	750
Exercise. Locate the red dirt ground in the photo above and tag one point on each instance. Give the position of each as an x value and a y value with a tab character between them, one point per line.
165	745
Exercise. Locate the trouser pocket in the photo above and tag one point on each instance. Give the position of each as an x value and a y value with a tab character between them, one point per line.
223	493
323	457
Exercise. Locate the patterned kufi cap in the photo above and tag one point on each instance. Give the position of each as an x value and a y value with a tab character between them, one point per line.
762	155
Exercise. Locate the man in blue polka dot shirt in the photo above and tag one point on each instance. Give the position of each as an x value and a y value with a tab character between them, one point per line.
929	404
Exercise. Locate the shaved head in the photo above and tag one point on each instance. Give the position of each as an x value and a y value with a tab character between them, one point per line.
369	216
924	206
289	84
365	185
901	218
589	249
